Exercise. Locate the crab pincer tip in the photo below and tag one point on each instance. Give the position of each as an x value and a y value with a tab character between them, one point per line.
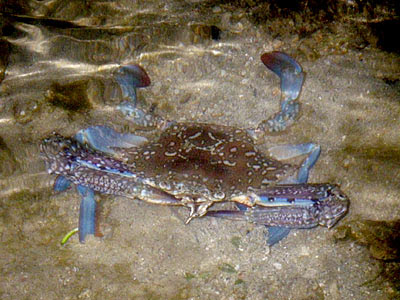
134	75
278	61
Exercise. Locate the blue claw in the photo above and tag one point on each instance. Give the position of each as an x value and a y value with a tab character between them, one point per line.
291	192
61	184
87	213
284	207
104	139
129	78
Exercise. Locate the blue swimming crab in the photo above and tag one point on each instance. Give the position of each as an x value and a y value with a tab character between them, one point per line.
198	165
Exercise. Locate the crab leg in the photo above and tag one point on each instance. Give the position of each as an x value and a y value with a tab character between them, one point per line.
105	139
87	209
283	152
89	180
292	78
87	212
129	78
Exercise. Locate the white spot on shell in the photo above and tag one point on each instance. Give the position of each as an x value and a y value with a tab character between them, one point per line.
164	185
197	134
166	153
219	195
250	153
229	163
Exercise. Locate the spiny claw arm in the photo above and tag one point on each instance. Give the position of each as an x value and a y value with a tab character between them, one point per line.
289	206
272	218
292	78
279	199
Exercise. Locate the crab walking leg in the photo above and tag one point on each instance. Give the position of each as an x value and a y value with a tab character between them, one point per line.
104	139
292	78
283	152
129	78
89	180
87	213
87	208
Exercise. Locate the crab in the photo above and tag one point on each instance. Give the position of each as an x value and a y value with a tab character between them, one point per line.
197	165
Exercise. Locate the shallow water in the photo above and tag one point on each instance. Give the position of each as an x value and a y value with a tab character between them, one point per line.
204	64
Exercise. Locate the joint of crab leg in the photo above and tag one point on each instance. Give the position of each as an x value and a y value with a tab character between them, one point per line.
138	116
197	211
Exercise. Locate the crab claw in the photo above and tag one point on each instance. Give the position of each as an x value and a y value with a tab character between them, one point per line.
130	77
284	207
